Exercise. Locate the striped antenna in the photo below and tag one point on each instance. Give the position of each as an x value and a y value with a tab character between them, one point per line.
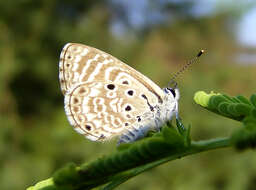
195	59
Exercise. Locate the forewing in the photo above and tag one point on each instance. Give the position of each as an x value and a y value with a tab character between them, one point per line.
83	64
102	110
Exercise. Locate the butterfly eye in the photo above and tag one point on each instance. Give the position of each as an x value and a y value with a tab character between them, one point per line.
168	90
173	92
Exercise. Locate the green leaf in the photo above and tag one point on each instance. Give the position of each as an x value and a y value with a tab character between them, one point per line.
228	98
180	126
233	107
244	138
66	176
223	108
244	100
253	100
123	146
215	101
187	139
253	113
203	98
243	109
232	110
172	137
157	146
47	184
235	100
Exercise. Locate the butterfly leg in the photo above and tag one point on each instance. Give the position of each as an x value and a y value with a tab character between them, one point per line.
177	112
158	124
179	124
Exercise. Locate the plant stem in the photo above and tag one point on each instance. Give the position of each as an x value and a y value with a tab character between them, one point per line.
196	147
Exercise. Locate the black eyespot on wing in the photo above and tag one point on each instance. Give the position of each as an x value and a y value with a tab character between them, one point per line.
144	96
75	100
128	116
130	92
88	127
102	136
111	86
128	108
82	90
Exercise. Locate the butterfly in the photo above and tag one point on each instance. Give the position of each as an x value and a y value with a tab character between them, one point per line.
105	98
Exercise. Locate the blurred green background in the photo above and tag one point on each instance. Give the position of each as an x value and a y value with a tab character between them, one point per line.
156	38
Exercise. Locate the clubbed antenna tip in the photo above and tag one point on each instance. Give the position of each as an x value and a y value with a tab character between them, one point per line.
200	52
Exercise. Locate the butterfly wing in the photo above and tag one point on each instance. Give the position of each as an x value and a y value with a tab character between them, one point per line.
87	68
102	110
80	63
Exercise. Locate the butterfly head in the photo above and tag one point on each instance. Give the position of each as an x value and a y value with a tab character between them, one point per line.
173	93
170	103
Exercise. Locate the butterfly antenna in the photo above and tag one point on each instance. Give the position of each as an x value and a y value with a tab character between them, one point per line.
172	81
